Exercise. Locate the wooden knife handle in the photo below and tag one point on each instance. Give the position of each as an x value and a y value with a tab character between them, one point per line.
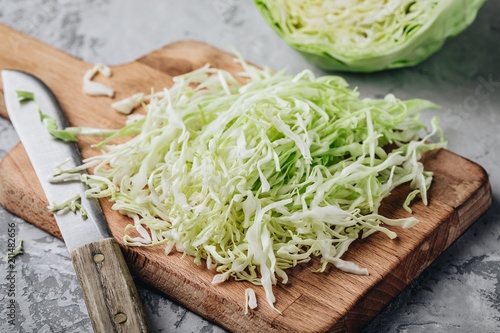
109	291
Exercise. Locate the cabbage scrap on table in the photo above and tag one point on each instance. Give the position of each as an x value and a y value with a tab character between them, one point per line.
251	179
367	35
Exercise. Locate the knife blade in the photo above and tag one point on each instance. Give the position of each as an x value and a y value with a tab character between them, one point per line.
109	291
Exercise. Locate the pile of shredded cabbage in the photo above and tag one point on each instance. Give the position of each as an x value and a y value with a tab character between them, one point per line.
255	178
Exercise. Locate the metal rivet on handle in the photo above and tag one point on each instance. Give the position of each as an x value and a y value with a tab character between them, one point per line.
98	257
120	318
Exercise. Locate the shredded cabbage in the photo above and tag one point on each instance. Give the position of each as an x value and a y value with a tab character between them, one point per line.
73	203
70	133
25	96
127	105
18	250
250	300
255	178
367	35
96	88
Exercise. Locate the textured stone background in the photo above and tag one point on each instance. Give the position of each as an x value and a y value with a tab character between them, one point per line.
459	292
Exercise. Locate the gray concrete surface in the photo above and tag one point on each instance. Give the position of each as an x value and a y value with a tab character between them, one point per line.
459	292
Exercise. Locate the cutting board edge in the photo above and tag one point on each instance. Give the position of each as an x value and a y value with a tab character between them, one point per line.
33	211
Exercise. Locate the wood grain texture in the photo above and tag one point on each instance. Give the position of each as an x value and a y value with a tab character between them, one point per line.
310	302
110	294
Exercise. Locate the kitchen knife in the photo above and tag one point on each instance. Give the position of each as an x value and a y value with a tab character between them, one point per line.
109	291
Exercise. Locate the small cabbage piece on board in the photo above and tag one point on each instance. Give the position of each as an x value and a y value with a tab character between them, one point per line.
367	35
255	178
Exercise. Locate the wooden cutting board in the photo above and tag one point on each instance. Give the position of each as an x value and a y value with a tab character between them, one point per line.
310	302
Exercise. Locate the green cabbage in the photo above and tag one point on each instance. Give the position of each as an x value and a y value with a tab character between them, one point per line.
251	179
367	35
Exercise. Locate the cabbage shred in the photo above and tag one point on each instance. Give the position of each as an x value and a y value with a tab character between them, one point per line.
251	179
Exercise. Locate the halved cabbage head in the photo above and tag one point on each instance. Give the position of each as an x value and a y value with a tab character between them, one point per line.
367	35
